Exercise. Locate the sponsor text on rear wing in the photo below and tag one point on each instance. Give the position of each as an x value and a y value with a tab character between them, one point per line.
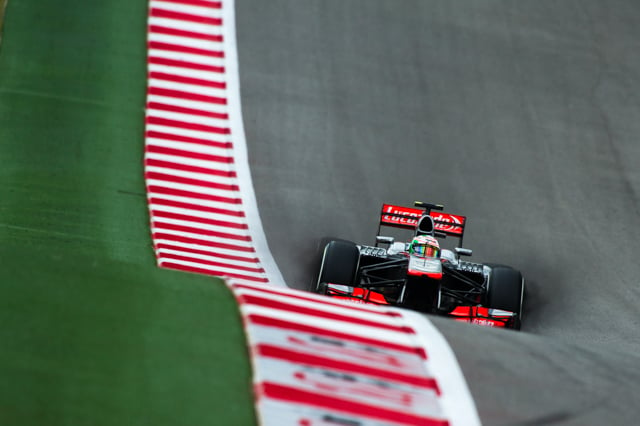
408	217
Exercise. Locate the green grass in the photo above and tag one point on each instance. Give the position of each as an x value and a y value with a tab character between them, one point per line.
3	5
92	331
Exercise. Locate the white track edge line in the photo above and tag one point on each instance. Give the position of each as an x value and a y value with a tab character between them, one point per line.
240	147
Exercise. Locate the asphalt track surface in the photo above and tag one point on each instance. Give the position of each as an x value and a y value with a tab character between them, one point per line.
521	115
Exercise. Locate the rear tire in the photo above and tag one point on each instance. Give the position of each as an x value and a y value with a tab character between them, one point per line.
505	291
339	265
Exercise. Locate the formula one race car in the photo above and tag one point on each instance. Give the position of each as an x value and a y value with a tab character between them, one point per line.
418	274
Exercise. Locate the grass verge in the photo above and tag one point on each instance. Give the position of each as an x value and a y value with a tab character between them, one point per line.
93	332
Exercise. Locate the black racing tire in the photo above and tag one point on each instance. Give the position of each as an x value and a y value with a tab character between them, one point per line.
316	264
339	265
505	291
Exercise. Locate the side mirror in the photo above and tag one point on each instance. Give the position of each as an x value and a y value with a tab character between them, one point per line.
384	240
463	251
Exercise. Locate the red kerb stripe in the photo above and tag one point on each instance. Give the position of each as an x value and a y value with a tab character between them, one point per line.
156	189
325	363
199	19
151	162
156	60
211	263
199	3
189	181
188	154
164	246
157	29
290	307
193	206
187	139
201	242
170	47
180	94
160	121
182	110
197	231
197	219
187	80
301	328
321	301
331	403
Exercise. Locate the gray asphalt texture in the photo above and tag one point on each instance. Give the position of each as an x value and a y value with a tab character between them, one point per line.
522	115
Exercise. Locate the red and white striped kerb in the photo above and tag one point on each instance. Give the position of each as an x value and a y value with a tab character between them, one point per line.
196	191
319	361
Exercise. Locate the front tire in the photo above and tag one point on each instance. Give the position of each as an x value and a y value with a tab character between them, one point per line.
505	291
339	265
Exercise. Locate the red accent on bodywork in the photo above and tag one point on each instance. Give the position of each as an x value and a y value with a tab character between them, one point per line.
454	223
479	315
433	275
403	217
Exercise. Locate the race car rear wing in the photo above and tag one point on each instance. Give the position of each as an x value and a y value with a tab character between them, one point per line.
409	217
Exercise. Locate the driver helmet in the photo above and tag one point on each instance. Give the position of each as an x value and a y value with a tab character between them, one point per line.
425	246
